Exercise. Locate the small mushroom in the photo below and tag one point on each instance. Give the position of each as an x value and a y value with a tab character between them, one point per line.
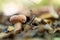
45	12
17	20
50	13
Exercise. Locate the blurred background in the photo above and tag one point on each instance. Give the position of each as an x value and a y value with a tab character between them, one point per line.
41	8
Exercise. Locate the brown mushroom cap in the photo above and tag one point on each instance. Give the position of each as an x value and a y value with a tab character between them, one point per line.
40	10
44	9
43	12
18	18
49	13
45	15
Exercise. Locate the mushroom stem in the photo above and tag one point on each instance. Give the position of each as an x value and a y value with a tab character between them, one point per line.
17	26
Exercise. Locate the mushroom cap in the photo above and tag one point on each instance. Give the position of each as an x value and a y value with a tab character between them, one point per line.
46	15
44	9
45	12
18	18
40	10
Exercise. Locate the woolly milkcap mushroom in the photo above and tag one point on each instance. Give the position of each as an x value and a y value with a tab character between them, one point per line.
17	20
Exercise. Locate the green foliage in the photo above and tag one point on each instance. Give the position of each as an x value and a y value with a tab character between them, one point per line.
27	3
1	4
42	3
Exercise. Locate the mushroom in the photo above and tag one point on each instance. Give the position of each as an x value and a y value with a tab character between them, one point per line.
17	20
50	13
42	13
45	12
